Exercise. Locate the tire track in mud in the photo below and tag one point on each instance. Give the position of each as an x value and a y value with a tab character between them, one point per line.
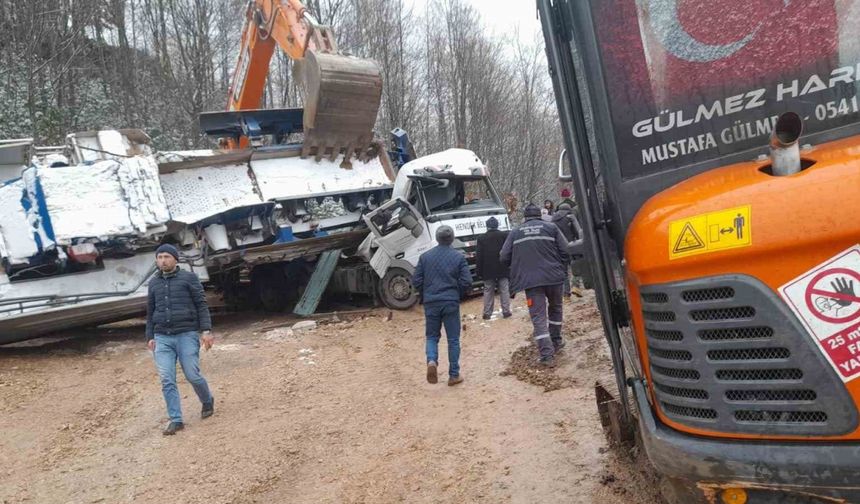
360	424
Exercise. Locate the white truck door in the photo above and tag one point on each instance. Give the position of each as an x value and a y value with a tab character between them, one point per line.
395	225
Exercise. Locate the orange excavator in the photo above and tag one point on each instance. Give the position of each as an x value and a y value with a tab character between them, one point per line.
342	93
713	149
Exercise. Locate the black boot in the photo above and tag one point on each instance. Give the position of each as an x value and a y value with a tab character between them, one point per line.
547	362
208	409
172	428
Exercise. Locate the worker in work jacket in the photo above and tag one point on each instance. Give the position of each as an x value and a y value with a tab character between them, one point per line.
536	252
176	315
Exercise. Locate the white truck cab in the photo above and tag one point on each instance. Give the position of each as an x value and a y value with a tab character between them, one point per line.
450	188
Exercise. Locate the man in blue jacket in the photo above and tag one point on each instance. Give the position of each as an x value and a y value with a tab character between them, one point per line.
536	252
441	279
175	315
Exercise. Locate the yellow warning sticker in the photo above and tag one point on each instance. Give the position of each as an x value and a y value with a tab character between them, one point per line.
710	232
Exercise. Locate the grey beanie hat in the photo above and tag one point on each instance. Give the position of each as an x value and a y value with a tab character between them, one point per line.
445	235
167	248
492	223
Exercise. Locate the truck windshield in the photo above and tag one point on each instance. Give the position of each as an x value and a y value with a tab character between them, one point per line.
460	194
690	82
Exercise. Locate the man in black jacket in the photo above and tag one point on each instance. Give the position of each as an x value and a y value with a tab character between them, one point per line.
491	270
175	314
563	218
536	252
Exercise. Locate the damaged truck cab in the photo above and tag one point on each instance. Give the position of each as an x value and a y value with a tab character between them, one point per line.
449	188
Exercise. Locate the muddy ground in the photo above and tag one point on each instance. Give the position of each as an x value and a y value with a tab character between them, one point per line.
341	413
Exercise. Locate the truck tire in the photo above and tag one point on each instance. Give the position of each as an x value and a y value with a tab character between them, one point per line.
272	289
396	291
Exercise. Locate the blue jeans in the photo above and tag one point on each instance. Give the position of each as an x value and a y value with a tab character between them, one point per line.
436	315
184	347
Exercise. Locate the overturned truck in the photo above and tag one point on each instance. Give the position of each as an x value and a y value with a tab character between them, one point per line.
79	223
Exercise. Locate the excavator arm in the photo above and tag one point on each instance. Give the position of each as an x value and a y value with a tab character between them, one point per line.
342	93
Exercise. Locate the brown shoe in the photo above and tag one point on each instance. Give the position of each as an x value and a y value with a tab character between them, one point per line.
432	377
454	380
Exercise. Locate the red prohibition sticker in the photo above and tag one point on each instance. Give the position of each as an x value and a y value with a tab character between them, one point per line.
826	299
831	296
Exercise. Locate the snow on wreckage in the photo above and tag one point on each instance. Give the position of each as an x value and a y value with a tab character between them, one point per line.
70	232
80	224
77	230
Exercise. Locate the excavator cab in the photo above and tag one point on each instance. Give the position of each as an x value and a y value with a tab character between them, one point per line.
709	144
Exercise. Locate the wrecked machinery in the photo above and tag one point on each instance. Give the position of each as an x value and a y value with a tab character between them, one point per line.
264	220
78	226
718	178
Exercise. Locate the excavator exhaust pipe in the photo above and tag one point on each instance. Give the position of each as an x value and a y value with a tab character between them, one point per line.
342	98
784	147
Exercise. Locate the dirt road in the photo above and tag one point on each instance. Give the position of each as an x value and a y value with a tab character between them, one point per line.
341	413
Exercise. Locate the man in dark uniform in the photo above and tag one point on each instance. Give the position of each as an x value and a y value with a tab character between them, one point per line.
536	252
491	270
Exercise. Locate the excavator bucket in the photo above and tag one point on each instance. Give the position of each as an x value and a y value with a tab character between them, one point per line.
342	96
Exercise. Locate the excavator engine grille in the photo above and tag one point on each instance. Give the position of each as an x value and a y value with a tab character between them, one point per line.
725	354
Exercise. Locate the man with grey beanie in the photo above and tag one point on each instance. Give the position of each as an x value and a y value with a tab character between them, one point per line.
491	270
442	278
536	252
176	314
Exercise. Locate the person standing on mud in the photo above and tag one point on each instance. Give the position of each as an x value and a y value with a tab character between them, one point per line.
177	321
564	220
442	278
536	252
491	270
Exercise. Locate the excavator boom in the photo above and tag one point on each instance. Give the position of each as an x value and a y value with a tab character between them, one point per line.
342	93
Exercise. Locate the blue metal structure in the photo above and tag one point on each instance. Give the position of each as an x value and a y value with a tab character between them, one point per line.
402	150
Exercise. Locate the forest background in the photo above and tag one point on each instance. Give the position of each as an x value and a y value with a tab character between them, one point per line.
77	65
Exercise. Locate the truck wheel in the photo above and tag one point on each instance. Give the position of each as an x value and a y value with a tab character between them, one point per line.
236	298
272	289
396	289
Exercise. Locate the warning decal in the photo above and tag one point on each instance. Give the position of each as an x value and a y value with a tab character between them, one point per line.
710	232
688	240
827	301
